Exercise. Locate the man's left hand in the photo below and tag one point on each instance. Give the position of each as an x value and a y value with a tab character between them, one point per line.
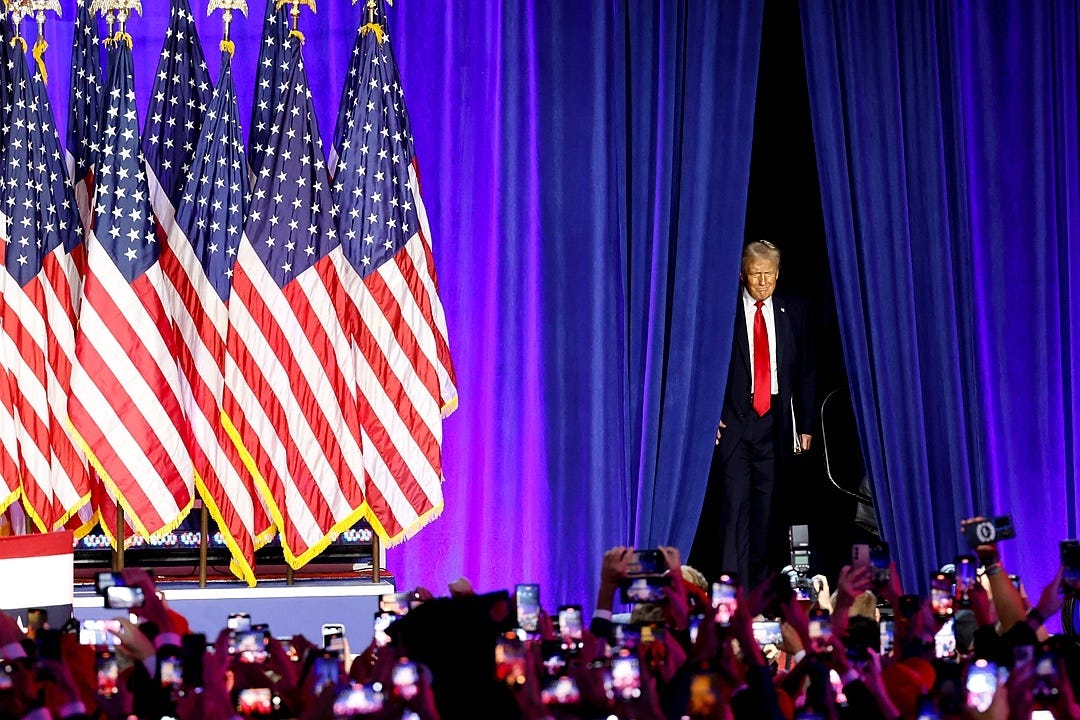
804	441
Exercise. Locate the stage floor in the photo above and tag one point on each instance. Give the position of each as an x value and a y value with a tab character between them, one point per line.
300	608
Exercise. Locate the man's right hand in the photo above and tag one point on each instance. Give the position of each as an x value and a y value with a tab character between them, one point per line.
720	431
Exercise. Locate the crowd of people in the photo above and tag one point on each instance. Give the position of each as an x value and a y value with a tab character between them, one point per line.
786	648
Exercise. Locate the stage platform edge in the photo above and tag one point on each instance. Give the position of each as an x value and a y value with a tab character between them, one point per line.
300	608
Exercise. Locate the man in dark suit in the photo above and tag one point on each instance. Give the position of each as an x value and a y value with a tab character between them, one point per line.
767	415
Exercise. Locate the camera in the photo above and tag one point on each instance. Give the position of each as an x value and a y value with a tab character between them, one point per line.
984	532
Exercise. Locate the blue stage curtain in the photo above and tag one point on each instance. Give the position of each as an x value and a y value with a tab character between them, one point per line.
585	167
946	137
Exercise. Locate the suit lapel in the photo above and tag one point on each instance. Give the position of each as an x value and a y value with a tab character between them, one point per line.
783	332
742	345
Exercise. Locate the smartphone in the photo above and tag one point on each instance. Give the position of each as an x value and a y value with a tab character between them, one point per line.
724	600
108	673
627	636
767	632
510	660
820	630
48	643
250	646
359	699
1015	580
399	603
98	633
927	708
982	681
945	642
941	595
170	670
880	564
646	562
6	683
383	621
194	647
965	576
122	597
1070	562
626	675
985	532
326	669
887	637
404	678
570	625
239	621
860	555
1047	683
560	690
333	637
645	589
255	702
527	601
104	580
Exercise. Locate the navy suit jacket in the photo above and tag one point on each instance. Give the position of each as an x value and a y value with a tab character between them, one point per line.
794	372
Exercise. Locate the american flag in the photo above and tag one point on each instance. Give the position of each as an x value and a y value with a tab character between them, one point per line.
178	100
125	403
38	283
9	450
405	375
269	79
84	111
203	243
289	398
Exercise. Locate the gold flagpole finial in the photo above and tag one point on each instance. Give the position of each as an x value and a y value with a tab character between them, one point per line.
227	7
295	15
41	45
20	10
371	20
120	10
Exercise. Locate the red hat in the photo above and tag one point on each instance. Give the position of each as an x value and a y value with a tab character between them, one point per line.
904	686
925	670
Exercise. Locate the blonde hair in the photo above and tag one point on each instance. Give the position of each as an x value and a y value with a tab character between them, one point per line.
760	250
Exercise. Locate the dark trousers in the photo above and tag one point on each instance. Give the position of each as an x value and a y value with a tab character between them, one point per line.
733	533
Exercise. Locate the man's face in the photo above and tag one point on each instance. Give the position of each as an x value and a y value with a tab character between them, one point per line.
759	277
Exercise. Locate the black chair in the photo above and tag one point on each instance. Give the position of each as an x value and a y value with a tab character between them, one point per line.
844	464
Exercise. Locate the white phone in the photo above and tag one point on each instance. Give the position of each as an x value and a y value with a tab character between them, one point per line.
333	635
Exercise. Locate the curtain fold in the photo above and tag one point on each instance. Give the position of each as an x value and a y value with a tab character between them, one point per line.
946	143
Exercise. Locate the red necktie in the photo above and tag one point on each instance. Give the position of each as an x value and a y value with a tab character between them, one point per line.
762	364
